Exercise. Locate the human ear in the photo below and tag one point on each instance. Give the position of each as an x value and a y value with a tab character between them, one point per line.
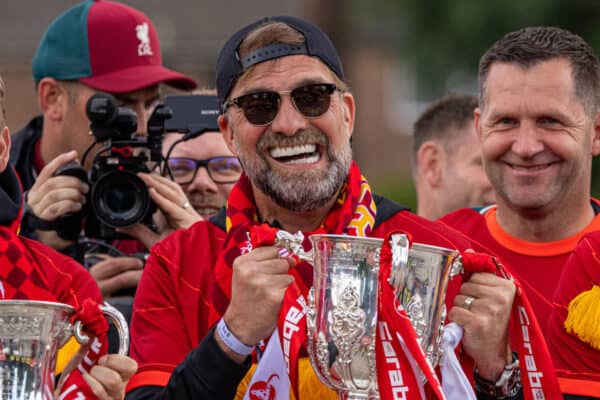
227	132
4	148
349	112
429	163
52	98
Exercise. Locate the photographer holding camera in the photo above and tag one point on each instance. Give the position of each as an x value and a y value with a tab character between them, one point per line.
93	46
200	170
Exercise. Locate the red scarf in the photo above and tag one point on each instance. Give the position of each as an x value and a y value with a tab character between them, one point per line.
353	214
72	385
20	278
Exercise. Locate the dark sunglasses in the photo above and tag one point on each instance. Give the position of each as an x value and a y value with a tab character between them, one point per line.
261	108
225	169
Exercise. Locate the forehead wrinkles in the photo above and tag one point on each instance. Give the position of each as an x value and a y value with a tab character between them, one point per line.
507	82
209	144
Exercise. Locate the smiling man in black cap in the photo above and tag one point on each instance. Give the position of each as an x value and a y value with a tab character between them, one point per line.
289	117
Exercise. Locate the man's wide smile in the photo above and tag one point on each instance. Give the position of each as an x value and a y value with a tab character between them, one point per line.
302	154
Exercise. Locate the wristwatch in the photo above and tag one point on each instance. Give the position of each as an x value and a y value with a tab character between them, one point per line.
506	387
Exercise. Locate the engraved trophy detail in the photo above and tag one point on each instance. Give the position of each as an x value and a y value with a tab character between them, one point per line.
31	333
342	310
342	316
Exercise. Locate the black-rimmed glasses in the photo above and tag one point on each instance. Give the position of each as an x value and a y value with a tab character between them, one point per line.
261	108
225	169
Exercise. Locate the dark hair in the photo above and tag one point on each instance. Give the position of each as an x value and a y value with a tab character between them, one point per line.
443	120
530	46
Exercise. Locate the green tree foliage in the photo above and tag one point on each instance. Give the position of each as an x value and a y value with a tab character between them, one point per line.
442	40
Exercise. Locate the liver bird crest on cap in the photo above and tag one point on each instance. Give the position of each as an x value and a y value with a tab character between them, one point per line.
142	31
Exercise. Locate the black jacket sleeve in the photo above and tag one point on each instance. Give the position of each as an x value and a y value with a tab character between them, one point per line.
206	373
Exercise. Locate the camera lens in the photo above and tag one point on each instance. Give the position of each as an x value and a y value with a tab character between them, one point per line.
120	198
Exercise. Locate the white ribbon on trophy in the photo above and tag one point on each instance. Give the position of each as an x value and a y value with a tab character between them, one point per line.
455	384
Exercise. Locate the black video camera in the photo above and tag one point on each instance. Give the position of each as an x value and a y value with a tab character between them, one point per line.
117	196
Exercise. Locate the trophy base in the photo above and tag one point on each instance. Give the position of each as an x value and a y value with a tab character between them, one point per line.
357	396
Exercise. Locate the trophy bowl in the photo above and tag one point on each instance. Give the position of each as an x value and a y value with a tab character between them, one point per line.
342	313
31	333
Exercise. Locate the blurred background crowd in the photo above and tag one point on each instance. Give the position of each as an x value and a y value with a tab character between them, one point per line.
399	55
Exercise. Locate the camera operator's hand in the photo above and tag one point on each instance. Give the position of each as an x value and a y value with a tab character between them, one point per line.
115	273
51	197
175	211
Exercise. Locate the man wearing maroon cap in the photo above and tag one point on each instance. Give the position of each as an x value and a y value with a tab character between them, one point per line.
93	46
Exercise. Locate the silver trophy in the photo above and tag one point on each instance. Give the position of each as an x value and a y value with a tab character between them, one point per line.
342	304
31	333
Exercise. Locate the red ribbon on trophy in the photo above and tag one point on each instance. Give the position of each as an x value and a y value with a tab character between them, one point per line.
73	386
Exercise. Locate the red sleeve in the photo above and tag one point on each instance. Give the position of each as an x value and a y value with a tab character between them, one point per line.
172	302
159	338
68	280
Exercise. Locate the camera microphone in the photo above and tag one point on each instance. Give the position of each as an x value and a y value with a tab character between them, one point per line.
101	109
108	120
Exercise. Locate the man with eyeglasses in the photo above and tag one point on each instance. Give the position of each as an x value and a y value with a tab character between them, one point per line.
205	169
213	293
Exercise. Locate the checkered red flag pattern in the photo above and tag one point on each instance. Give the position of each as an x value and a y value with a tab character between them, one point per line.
19	279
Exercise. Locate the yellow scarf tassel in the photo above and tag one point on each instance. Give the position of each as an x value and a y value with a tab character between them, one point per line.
583	318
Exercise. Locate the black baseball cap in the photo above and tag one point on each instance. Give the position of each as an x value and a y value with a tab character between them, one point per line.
230	66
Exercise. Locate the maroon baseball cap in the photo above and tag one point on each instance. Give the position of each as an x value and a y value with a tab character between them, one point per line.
106	45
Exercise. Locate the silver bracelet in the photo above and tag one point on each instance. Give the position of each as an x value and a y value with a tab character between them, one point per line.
231	341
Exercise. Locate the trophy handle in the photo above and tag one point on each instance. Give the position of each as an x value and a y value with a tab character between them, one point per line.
457	267
400	245
293	243
120	324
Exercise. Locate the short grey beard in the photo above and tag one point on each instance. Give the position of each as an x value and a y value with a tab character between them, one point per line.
303	191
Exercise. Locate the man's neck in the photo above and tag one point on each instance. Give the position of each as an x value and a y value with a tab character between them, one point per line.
289	220
429	208
545	226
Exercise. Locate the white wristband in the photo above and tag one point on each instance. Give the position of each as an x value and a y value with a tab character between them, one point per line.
231	341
